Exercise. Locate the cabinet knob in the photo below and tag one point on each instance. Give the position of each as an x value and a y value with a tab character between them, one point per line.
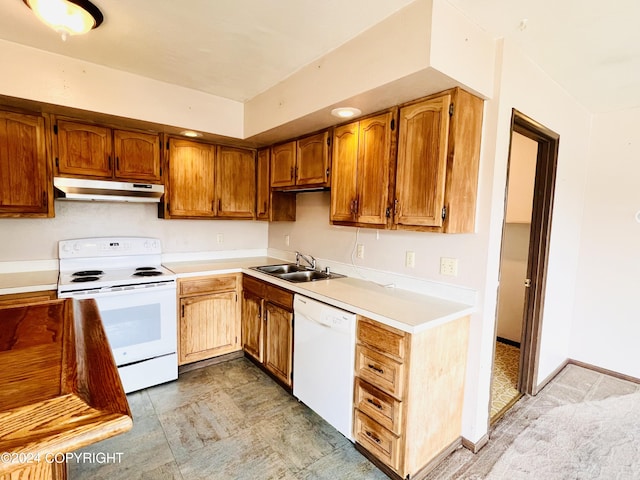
374	403
375	369
372	437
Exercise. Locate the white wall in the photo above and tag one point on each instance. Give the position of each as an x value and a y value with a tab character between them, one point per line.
47	77
606	326
36	239
525	87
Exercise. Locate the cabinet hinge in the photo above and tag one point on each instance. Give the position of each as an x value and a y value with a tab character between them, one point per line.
444	212
451	110
57	162
55	129
393	124
328	141
387	212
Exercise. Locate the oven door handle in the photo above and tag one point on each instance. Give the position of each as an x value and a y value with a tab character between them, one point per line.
113	291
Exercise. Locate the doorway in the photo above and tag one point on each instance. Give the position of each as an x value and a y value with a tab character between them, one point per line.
531	173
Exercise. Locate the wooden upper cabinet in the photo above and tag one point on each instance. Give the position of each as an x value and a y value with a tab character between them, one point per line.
343	179
283	165
312	160
25	178
422	162
191	179
137	156
437	163
362	165
84	150
235	182
262	184
301	164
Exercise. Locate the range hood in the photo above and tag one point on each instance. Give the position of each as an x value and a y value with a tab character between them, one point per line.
106	191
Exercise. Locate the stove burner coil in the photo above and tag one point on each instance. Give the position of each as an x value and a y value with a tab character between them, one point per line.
145	269
85	279
87	273
147	273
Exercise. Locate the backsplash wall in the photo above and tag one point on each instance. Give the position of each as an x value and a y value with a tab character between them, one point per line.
37	239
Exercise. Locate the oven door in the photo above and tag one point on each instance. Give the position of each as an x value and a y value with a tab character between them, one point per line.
140	322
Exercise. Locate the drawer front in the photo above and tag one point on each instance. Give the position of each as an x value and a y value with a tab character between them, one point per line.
386	339
254	285
380	370
377	440
213	284
280	297
382	408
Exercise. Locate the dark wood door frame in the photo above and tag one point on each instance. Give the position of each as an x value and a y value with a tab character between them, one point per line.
545	179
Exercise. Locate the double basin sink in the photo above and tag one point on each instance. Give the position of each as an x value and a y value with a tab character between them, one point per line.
296	273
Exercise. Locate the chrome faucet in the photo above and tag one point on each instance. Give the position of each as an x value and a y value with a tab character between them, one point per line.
307	258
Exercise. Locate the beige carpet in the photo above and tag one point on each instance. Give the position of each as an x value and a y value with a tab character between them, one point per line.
591	440
505	379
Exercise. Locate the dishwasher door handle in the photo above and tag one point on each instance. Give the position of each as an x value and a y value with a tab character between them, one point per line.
311	319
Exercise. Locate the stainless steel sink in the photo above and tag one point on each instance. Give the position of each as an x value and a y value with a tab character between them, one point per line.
296	273
278	269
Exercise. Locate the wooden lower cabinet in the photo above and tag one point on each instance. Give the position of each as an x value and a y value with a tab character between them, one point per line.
408	394
267	327
209	317
15	299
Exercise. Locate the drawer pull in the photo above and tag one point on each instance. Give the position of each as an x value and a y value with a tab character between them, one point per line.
373	367
374	403
373	437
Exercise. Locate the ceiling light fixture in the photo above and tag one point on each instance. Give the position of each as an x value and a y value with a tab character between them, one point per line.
67	17
190	134
346	112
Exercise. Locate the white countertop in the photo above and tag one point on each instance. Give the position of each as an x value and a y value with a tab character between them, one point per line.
407	311
25	282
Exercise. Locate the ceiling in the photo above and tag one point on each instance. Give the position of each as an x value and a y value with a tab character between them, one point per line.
240	48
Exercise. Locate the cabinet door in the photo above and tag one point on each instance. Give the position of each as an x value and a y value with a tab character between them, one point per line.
278	342
137	156
422	162
262	184
374	163
344	175
191	179
208	326
235	173
24	176
252	332
312	163
283	165
84	150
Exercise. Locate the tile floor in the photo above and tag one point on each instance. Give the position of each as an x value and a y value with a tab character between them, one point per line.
226	421
504	391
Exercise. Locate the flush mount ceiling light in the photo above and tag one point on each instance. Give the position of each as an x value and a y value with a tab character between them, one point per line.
67	17
345	112
190	133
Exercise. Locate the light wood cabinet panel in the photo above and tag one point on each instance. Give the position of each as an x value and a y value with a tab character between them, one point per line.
312	162
267	326
278	342
437	163
84	150
252	331
374	157
191	179
345	167
137	156
25	175
235	182
283	165
209	317
15	299
422	162
263	189
408	396
362	165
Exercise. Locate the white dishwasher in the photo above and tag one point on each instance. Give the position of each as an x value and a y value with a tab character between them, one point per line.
323	361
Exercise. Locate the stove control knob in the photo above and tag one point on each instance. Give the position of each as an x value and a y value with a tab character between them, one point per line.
76	247
65	247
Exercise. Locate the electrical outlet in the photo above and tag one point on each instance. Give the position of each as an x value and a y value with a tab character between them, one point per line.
360	250
449	266
220	238
410	259
286	240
